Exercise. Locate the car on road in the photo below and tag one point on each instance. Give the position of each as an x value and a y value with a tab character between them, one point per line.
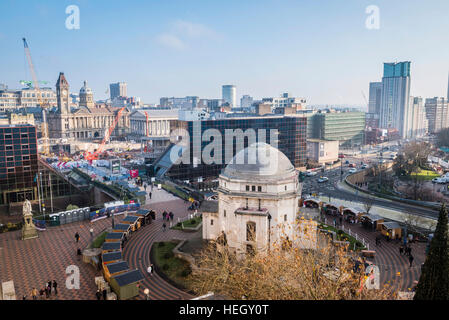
352	170
440	180
347	162
352	165
323	179
311	173
364	166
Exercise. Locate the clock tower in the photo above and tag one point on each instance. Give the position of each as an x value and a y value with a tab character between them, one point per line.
62	93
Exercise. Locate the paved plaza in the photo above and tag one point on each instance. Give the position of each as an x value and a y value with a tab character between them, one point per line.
32	263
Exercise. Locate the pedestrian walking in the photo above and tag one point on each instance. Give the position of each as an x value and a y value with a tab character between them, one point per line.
55	287
335	222
150	269
341	220
164	226
98	294
164	215
171	216
105	294
49	286
401	250
34	293
41	292
410	258
77	237
47	293
151	193
409	251
91	230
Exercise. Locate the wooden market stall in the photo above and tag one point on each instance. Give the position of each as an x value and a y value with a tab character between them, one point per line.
133	221
114	237
122	227
111	257
391	230
311	203
114	269
125	285
331	209
112	246
372	221
145	214
352	213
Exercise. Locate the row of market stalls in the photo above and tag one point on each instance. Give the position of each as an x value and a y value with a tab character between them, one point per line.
123	280
373	222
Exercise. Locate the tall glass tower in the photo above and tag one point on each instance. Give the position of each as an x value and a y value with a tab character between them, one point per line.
395	96
229	95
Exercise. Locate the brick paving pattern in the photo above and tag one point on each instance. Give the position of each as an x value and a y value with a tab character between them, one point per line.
388	258
32	263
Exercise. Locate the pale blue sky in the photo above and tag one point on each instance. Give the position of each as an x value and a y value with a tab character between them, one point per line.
317	49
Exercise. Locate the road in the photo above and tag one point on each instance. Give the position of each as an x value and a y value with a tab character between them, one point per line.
331	189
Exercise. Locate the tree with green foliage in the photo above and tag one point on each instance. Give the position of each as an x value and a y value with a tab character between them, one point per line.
434	281
71	207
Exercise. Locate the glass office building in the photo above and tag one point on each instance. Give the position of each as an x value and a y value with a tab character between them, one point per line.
346	127
18	163
290	139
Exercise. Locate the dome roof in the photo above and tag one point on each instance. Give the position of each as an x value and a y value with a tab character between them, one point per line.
85	89
259	161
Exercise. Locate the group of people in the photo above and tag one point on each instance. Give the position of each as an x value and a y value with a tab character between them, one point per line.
100	294
167	217
407	250
49	287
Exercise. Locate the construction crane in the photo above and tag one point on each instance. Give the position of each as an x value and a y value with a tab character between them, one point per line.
42	102
94	156
366	101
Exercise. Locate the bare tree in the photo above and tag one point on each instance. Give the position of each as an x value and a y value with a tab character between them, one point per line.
285	273
368	203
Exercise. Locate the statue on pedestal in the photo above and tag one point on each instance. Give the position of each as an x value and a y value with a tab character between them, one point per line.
28	230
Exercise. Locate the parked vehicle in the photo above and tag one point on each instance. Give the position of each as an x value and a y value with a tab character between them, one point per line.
440	180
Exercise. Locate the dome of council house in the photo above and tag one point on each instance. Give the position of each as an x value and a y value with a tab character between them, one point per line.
259	161
85	89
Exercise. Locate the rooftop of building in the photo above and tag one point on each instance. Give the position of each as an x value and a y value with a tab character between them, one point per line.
259	161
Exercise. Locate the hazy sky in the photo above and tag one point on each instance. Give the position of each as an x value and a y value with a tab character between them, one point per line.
320	50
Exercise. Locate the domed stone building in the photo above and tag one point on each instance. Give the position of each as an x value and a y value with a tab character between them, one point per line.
86	97
258	199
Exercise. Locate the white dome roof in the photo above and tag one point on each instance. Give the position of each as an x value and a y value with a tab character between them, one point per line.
85	89
259	161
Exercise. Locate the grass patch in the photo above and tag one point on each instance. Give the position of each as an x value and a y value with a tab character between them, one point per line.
343	236
173	190
98	242
191	223
425	175
173	268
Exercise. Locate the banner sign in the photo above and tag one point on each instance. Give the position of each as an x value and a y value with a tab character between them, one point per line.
40	224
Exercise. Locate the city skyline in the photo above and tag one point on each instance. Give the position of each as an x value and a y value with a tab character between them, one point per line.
178	49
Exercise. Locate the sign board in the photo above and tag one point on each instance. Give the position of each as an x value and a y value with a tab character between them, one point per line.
113	204
134	173
115	166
